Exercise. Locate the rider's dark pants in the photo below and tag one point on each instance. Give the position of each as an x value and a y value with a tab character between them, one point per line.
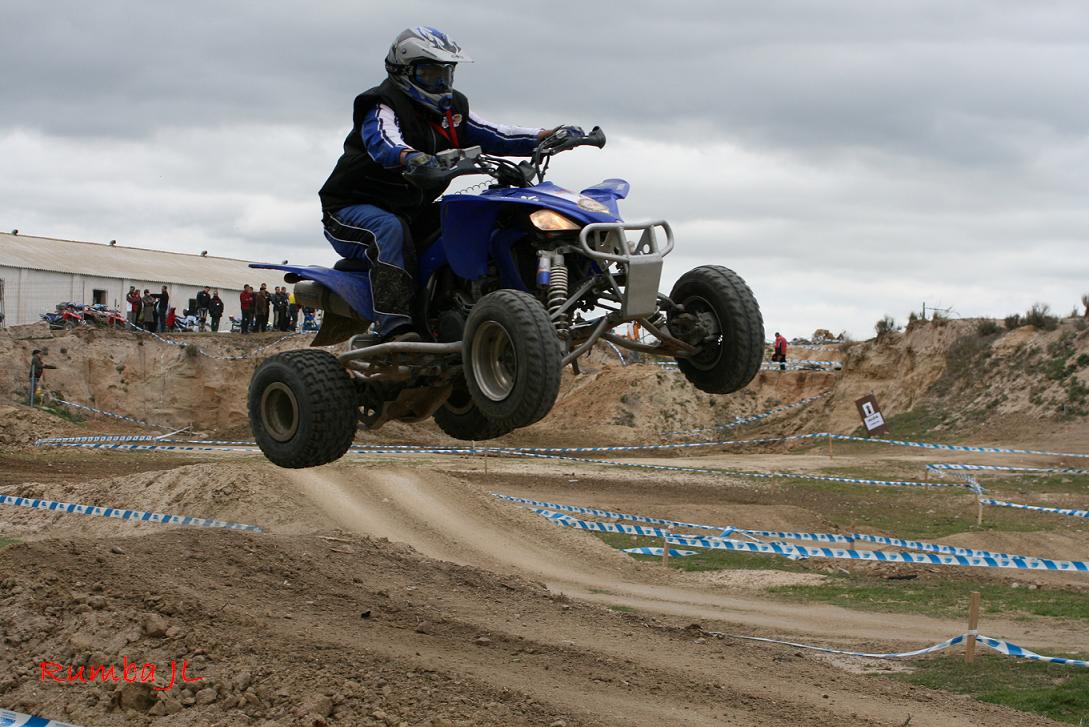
369	233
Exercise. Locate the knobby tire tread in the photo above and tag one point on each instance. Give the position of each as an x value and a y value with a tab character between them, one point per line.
331	425
536	332
746	329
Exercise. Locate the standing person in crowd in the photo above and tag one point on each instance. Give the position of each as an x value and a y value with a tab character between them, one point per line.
274	301
134	299
293	313
779	352
215	309
246	299
204	299
147	310
261	302
282	303
37	368
162	308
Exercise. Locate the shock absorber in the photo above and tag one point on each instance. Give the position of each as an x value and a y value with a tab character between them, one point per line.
557	295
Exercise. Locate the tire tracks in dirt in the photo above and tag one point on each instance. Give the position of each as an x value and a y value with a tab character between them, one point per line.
450	519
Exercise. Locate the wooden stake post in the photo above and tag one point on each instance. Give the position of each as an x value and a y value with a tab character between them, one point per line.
665	549
973	627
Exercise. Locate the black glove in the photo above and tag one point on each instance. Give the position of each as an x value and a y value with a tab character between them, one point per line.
417	160
566	133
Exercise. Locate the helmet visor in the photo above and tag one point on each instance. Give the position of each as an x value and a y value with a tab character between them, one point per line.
434	77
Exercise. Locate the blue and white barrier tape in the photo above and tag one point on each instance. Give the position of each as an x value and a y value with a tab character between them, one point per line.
122	514
673	552
948	643
101	412
45	441
947	447
18	719
1018	563
153	447
736	473
723	531
787	549
48	441
1001	468
1003	647
1010	649
1036	508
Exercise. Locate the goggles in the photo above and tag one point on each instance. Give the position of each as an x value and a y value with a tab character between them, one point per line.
433	77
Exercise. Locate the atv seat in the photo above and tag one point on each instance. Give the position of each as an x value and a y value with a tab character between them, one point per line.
352	265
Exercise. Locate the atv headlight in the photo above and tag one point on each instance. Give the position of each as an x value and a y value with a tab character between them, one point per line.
549	221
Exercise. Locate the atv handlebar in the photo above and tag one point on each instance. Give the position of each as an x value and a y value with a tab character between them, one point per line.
454	163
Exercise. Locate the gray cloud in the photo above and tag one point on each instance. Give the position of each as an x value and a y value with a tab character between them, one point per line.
849	158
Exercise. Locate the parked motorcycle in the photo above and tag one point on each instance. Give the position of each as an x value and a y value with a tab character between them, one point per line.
522	280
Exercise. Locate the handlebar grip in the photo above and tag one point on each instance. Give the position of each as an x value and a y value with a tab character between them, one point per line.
596	137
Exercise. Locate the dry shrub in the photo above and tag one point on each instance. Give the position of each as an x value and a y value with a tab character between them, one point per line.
1039	315
885	326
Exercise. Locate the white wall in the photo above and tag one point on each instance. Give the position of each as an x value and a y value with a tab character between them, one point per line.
29	293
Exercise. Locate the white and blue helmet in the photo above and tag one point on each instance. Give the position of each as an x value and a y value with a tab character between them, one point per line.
421	62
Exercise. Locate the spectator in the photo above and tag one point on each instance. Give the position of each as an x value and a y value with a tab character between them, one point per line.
247	301
171	318
204	300
283	302
134	302
261	301
293	313
215	308
779	352
37	369
161	309
275	303
147	310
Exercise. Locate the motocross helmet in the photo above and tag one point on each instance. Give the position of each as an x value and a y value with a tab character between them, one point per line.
421	63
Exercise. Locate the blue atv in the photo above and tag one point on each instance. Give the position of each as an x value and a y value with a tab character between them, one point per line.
520	280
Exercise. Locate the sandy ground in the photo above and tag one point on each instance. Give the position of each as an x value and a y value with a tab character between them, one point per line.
403	589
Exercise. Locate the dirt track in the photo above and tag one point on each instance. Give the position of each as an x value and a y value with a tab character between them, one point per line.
285	607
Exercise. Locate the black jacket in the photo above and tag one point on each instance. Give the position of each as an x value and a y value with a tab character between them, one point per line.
215	307
358	179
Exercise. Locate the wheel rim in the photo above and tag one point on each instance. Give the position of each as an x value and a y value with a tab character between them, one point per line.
279	411
494	363
709	354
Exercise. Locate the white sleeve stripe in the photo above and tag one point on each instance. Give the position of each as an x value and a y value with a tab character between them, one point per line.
504	130
389	127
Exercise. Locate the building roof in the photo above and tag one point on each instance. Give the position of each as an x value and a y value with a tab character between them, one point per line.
129	263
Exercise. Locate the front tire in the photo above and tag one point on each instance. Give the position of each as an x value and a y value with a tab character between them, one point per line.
303	408
728	310
512	359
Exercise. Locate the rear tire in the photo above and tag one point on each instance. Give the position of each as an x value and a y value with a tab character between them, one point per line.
720	298
303	408
512	359
460	418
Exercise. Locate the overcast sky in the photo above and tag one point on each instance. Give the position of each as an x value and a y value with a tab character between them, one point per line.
849	158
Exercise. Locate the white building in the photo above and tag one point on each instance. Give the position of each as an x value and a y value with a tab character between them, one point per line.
36	273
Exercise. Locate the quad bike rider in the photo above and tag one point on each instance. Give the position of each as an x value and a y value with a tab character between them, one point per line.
477	302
